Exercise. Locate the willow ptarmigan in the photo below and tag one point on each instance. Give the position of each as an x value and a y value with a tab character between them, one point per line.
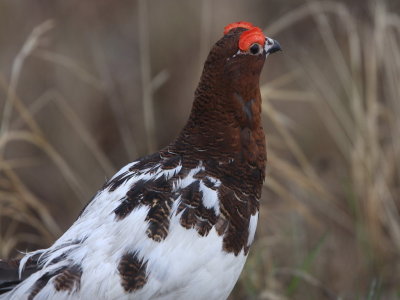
176	224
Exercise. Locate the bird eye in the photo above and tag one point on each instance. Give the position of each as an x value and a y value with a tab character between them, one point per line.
255	49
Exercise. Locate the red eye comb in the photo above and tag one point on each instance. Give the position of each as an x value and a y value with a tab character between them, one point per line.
249	37
241	24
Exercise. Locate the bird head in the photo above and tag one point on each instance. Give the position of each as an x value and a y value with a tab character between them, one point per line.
252	40
238	57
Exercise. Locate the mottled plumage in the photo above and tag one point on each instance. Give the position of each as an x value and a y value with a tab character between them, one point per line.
177	224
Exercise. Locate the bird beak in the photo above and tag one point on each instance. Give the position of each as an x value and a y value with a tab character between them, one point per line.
271	46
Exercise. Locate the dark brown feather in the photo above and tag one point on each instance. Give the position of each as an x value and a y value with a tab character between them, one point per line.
69	279
133	272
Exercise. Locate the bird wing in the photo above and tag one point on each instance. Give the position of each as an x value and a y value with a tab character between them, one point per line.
118	245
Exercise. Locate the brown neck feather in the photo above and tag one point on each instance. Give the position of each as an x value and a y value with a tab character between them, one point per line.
225	122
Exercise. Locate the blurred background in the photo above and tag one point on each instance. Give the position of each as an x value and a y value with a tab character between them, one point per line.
87	86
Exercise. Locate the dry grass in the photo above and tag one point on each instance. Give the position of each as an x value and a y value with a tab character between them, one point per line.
330	222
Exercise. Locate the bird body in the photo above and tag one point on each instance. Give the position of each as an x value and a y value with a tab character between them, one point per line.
179	223
183	261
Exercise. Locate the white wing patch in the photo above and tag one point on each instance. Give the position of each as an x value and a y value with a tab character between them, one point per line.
210	196
252	228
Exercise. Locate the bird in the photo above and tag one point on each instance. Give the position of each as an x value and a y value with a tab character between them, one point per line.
178	223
